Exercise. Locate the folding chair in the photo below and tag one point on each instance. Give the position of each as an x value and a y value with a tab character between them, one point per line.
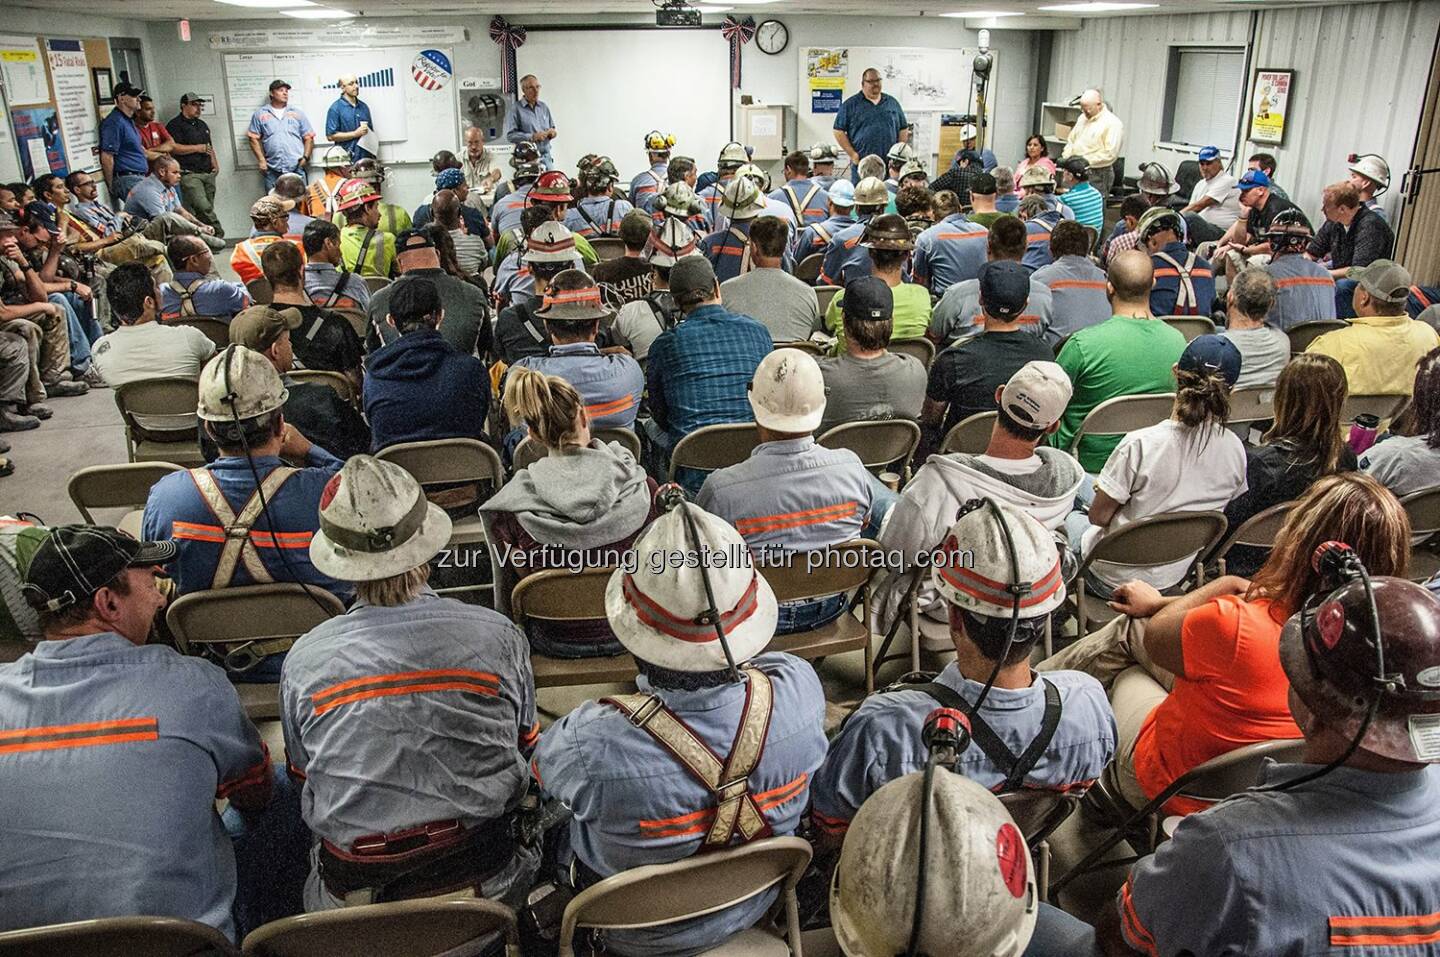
258	620
807	270
119	937
659	894
1303	333
1423	509
560	595
1191	327
714	447
343	387
804	345
375	283
1383	407
1157	540
1038	813
1254	403
1257	531
880	443
413	928
608	247
117	486
260	292
1124	414
840	569
971	434
173	399
920	348
213	329
356	317
823	295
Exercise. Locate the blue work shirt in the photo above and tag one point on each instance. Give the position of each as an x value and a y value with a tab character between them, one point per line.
97	216
600	215
845	258
815	237
729	250
699	371
958	315
1304	291
176	510
806	200
1166	292
635	804
120	138
951	251
882	741
342	117
525	120
610	384
646	187
282	138
710	197
1077	295
505	214
113	755
215	298
1037	240
872	128
1343	864
151	198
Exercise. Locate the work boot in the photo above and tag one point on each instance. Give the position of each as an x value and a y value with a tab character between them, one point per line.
216	243
41	412
7	467
13	422
94	379
64	390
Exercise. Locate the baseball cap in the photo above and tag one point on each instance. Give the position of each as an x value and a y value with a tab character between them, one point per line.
1037	394
191	98
842	193
1212	355
412	239
1384	279
1252	179
868	298
126	89
1004	288
278	85
982	183
39	213
268	207
690	276
259	327
8	221
1208	154
76	561
1077	166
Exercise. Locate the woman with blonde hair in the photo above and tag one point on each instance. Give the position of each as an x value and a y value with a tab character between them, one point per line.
580	506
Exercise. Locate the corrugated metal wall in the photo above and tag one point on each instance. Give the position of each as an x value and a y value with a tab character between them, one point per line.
1360	75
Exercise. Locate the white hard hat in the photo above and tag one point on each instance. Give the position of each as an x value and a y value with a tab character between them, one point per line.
1373	168
823	153
245	376
671	243
788	392
967	132
980	898
678	199
375	522
899	153
551	242
741	199
752	172
912	167
871	191
656	610
976	573
733	154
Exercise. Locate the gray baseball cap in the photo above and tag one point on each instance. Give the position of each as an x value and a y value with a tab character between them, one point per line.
1384	279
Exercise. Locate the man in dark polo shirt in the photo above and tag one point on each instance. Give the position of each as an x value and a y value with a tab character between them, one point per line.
870	122
1354	235
196	156
1246	237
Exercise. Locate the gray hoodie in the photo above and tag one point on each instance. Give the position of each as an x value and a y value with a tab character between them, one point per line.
585	498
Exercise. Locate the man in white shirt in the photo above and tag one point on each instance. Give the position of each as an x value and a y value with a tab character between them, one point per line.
1097	136
1215	200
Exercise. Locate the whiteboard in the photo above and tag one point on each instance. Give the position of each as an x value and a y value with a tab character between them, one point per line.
411	97
607	91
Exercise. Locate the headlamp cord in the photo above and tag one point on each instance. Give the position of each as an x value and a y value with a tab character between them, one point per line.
672	497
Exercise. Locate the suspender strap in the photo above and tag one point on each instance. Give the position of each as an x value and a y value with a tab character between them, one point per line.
796	203
187	296
1186	302
238	547
727	780
528	321
580	208
360	259
823	233
744	239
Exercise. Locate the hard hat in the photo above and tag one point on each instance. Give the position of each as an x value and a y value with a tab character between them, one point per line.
244	375
887	232
787	392
1037	176
355	192
842	193
741	199
732	155
871	191
599	174
871	165
912	167
1289	229
899	153
375	522
672	242
967	132
1329	653
579	301
527	173
524	152
553	186
551	242
370	170
1373	168
752	172
678	199
657	610
980	897
975	573
584	163
1157	218
335	157
823	153
1155	180
658	142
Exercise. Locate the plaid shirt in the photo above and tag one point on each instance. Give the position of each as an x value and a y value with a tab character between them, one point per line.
698	372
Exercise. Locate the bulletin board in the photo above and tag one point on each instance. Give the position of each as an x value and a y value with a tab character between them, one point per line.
50	118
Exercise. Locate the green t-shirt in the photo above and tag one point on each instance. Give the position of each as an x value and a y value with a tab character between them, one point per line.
910	320
984	219
1120	356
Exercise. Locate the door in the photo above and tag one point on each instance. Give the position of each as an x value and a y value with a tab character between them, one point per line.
1417	245
127	63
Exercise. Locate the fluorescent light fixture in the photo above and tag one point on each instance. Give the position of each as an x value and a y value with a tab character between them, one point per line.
982	14
711	8
319	13
267	4
1098	6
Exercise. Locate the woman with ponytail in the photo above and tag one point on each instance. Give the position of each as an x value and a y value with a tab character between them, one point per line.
581	506
1188	463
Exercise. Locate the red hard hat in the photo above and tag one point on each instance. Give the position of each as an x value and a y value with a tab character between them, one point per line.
355	192
553	186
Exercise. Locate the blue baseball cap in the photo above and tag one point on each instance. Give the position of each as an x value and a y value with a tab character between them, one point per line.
1004	288
1212	355
1209	154
1252	179
842	193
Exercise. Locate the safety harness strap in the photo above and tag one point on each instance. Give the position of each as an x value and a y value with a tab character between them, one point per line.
187	295
238	547
1186	302
528	321
744	239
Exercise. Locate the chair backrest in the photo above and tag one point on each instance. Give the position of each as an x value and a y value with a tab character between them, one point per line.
1038	813
375	283
1382	407
625	437
119	937
439	461
1254	403
804	345
1303	333
413	928
971	434
1191	327
823	295
356	318
213	329
1423	508
878	442
343	386
159	397
530	451
115	486
1160	539
1187	174
920	348
560	594
260	292
659	894
249	613
808	269
1234	771
826	571
1124	414
714	447
1257	531
608	247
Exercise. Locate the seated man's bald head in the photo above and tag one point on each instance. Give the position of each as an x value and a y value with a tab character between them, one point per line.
1131	275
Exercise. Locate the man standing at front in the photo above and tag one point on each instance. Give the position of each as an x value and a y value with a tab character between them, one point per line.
348	121
871	121
280	138
198	164
1097	137
531	120
122	156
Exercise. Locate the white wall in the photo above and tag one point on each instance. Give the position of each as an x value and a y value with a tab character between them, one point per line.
1360	81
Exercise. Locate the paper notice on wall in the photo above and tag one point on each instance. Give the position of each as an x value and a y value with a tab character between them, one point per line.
764	124
23	71
71	75
39	158
925	137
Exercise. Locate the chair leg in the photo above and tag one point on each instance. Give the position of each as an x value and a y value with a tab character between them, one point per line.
914	633
1042	871
869	640
1080	629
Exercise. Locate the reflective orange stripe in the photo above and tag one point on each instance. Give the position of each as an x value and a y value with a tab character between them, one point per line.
961	235
699	821
1135	933
1304	281
1169	273
189	531
1038	238
406	683
530	736
396	690
814	516
730	250
405	676
1077	284
602	409
1397	931
75	728
250	777
62	737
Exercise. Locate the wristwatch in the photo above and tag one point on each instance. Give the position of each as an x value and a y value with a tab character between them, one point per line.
72	285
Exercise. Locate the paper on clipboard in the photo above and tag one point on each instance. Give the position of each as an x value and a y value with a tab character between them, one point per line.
371	142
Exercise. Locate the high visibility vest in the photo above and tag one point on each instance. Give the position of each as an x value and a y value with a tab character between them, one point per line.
239	543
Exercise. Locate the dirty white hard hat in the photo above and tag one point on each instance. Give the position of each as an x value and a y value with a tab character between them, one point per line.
239	383
787	392
741	199
1373	168
671	243
551	242
375	522
871	191
976	571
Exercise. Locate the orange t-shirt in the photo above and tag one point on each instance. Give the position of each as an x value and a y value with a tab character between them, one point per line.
1234	693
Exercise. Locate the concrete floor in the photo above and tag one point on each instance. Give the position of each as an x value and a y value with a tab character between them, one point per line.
86	430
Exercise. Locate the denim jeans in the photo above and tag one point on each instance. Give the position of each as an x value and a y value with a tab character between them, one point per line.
272	856
79	341
120	186
799	616
85	313
1058	934
272	174
1345	298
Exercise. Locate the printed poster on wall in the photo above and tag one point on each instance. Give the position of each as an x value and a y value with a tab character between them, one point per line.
71	76
1269	105
23	71
37	132
825	70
